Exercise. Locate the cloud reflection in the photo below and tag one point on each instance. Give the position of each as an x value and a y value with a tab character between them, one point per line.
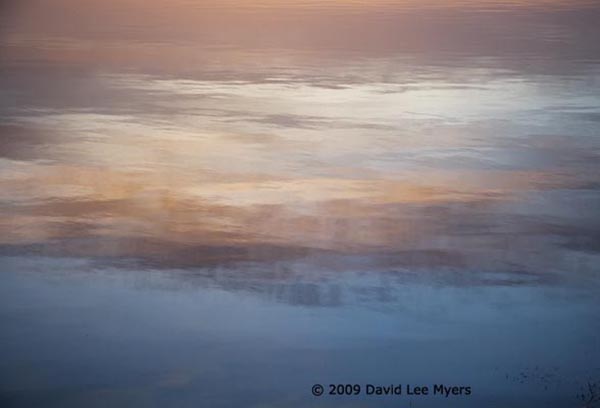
416	151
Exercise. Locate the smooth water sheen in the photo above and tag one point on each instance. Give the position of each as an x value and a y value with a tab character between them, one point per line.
219	203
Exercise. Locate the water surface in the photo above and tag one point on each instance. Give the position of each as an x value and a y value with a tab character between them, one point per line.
223	203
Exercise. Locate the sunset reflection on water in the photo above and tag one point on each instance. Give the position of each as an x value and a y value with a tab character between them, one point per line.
419	171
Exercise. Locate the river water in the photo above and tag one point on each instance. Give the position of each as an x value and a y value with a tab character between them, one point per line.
224	203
